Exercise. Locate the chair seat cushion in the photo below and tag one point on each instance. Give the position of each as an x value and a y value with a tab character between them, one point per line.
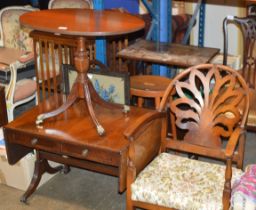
24	88
4	67
181	183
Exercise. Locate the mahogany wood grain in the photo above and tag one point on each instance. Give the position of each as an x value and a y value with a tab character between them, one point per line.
70	138
41	166
82	22
148	86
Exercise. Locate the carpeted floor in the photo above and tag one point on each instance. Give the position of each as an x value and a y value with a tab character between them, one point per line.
82	190
78	190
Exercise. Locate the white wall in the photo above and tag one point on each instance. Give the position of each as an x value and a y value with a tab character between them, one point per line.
214	16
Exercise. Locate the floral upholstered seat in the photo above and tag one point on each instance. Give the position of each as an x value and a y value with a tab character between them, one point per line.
205	110
182	183
16	52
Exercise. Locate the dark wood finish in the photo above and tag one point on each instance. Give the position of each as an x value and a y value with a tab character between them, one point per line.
51	51
247	26
70	138
3	110
168	53
148	86
81	22
210	104
250	2
41	166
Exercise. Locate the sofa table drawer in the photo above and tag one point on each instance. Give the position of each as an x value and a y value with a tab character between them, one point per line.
37	143
93	154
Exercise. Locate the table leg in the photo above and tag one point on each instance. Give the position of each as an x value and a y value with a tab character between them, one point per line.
70	100
41	166
80	88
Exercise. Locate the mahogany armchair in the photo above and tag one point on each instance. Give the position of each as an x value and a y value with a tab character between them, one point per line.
16	53
209	106
247	25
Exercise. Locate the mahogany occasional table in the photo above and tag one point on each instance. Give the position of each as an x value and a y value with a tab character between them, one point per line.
67	134
83	24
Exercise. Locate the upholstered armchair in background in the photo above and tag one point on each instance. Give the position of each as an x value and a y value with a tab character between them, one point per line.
16	53
54	4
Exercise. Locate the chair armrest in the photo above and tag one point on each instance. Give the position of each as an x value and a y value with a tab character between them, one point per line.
145	137
26	57
233	141
134	130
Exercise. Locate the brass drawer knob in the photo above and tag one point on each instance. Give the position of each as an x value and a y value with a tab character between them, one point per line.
85	152
34	141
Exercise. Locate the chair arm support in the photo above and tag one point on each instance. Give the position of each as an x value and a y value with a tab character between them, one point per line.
233	141
145	140
134	130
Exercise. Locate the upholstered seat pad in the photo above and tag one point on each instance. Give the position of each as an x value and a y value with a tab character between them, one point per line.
24	88
9	55
181	183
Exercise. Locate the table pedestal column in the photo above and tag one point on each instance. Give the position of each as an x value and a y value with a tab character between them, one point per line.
81	89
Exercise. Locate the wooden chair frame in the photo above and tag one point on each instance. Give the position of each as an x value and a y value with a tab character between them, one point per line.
226	79
247	25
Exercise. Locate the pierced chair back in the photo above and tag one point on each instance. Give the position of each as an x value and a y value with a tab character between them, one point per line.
247	25
248	28
208	103
208	110
88	4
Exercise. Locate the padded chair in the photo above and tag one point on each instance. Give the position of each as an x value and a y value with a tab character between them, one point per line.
248	27
16	53
53	4
209	106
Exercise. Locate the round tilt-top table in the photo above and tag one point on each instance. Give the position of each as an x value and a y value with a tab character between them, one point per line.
82	23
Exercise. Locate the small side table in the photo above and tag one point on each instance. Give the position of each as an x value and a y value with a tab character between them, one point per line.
148	86
169	54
